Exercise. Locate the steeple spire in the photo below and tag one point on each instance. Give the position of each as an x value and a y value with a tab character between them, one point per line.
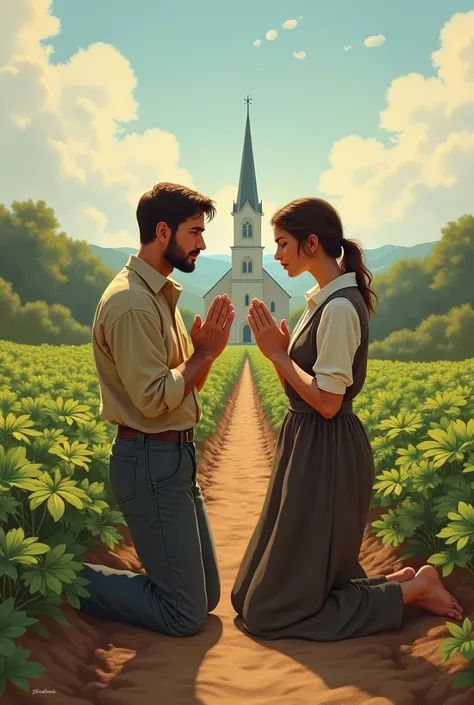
248	180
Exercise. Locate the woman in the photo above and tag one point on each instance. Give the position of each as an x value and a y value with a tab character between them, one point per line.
300	575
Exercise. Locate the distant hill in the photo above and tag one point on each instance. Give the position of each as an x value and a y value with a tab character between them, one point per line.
208	272
210	268
382	258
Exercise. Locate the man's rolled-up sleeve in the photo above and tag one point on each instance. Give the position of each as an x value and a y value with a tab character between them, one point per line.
139	352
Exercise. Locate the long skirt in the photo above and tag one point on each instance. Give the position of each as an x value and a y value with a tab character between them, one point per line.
300	575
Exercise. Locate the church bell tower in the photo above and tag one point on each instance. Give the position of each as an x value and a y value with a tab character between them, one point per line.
247	250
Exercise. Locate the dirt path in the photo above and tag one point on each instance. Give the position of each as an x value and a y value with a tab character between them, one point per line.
99	662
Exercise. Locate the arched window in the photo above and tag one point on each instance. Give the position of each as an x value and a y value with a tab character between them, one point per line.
250	267
247	266
272	307
247	229
247	299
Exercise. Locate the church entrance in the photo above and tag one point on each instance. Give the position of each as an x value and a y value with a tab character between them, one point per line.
247	334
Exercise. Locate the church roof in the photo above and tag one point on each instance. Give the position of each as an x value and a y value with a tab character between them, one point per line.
217	282
283	290
230	270
248	181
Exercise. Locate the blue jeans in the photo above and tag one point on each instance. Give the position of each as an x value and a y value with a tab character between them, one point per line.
154	484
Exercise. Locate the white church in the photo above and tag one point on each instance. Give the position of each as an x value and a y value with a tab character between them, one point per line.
247	279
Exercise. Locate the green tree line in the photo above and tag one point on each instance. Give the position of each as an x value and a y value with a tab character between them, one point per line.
44	264
50	285
425	307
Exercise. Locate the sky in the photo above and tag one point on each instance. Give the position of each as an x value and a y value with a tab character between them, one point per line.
368	104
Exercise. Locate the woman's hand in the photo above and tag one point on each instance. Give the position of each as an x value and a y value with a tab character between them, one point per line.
270	338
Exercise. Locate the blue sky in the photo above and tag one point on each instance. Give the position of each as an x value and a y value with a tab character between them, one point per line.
194	63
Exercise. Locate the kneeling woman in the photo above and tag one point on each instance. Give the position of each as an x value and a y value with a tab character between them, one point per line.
300	575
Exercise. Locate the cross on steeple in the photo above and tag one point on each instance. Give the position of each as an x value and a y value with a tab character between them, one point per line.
248	101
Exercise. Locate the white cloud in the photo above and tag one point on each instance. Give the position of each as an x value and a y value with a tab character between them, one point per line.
348	48
374	41
61	139
271	35
405	188
97	217
60	131
290	24
257	42
299	54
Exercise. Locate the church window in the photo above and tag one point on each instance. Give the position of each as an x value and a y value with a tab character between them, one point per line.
247	229
250	267
272	307
244	267
247	299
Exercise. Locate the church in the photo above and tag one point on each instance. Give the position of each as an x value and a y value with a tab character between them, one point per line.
247	279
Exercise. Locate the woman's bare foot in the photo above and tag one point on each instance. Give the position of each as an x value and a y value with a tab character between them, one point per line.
427	591
401	576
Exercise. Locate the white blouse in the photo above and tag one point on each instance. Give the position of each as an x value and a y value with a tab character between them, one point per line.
338	335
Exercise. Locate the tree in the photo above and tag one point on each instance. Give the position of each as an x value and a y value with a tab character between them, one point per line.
36	323
404	298
451	265
448	336
44	264
412	290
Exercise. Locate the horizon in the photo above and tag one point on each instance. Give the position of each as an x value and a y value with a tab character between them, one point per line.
222	254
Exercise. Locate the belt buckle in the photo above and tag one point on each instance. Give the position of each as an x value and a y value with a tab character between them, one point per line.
189	435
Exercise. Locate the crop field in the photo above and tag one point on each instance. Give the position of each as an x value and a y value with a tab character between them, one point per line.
420	421
56	503
55	499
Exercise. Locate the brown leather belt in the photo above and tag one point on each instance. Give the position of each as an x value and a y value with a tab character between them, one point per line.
186	436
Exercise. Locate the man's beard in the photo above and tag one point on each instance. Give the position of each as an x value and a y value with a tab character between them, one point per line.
176	257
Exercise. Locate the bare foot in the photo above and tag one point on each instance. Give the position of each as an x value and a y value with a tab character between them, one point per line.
427	591
401	576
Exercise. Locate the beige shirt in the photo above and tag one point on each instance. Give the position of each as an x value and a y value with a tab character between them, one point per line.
138	339
338	335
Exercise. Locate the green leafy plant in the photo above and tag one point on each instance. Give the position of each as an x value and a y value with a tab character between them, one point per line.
462	642
419	420
55	498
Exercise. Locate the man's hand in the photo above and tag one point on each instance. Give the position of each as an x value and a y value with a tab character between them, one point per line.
211	337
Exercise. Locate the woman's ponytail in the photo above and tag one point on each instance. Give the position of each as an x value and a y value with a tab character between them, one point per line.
353	261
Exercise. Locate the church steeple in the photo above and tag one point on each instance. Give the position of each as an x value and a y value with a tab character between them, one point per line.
248	180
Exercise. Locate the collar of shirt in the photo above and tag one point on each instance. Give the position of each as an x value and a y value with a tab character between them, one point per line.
154	279
316	296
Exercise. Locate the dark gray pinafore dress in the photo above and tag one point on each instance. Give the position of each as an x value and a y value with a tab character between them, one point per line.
300	575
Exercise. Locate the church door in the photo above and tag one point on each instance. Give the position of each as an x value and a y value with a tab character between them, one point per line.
247	336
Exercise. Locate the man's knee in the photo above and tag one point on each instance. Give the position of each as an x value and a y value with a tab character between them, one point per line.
189	621
213	598
189	626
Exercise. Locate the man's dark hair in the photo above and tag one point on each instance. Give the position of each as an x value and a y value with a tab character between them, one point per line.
173	204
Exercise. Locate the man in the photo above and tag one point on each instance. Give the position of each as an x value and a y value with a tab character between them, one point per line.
149	387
